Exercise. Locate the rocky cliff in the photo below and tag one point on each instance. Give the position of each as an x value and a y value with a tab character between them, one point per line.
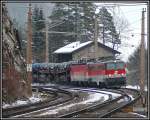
14	81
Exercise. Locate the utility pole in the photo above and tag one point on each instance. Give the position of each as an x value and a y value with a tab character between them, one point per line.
142	58
47	43
29	52
47	32
78	36
95	38
103	36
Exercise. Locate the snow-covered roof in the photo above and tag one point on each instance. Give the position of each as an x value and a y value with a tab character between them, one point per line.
71	47
76	45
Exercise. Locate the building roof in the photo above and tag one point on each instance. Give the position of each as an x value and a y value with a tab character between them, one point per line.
72	47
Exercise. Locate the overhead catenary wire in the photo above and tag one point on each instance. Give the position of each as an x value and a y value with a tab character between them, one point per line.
75	2
138	20
120	4
63	32
133	11
125	17
63	22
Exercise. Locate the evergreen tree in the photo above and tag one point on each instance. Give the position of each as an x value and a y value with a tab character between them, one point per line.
79	19
87	20
107	28
58	16
133	66
38	36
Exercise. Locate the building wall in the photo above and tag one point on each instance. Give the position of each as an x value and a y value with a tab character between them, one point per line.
64	57
88	52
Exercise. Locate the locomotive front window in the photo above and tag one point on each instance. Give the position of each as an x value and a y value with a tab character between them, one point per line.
119	65
111	66
115	66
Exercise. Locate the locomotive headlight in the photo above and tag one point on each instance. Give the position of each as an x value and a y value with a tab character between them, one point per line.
116	72
123	74
109	75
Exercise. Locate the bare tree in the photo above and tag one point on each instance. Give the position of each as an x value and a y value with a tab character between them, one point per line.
120	21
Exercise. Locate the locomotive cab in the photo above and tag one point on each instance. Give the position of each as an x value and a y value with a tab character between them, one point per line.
115	74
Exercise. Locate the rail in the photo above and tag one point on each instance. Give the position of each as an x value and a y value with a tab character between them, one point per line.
107	108
23	109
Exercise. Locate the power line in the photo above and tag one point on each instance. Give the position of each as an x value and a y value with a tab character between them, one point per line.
134	10
132	13
120	4
138	20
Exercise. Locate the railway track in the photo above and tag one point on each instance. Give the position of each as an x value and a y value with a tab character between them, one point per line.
54	100
51	112
96	110
107	108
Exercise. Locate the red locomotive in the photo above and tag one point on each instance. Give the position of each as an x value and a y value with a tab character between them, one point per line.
108	74
103	74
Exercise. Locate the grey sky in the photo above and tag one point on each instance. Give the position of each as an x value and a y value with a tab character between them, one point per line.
20	10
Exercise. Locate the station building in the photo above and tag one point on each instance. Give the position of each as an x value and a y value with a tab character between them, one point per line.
86	50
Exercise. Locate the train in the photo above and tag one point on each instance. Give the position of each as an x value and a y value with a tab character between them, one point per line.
106	74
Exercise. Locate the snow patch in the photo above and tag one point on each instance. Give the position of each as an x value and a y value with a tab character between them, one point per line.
39	84
137	114
35	98
131	97
114	95
93	97
125	99
136	87
17	103
122	100
71	47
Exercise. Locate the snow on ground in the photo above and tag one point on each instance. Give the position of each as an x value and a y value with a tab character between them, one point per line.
138	114
17	103
114	95
122	100
39	84
93	97
131	97
35	98
125	99
132	87
136	87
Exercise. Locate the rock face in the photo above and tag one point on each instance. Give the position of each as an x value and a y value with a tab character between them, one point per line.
14	81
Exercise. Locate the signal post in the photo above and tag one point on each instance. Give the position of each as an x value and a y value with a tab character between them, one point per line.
96	38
